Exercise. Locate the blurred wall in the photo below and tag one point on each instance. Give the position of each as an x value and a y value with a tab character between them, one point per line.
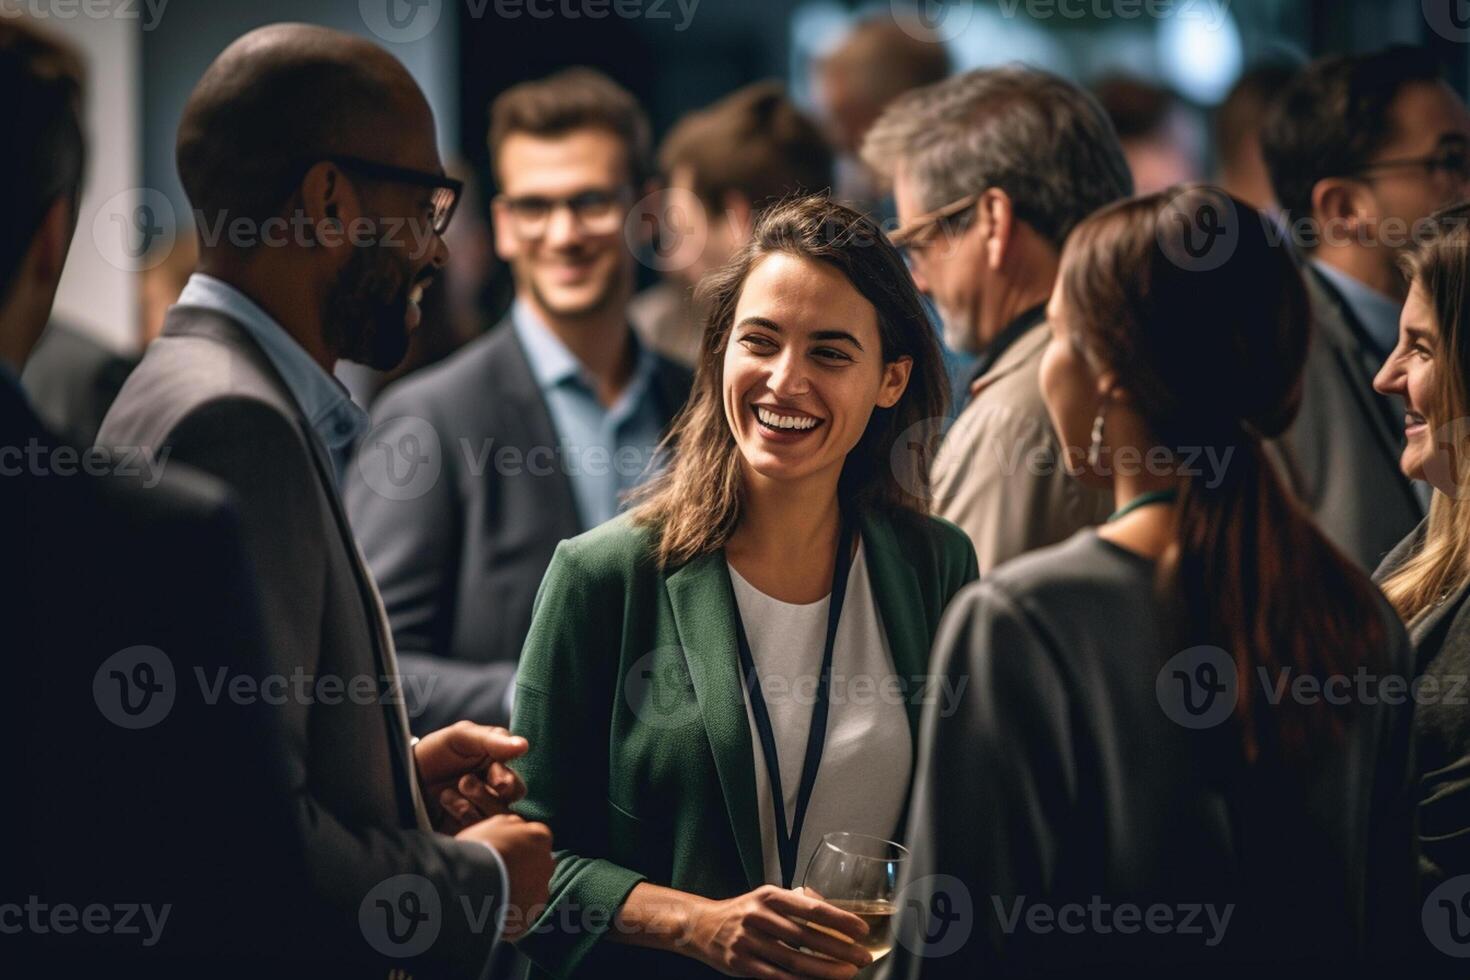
98	293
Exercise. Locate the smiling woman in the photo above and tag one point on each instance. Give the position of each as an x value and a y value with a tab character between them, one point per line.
721	636
1427	577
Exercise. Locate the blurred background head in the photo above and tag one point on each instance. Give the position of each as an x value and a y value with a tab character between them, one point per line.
1362	147
991	171
877	60
1161	136
745	152
1240	167
40	178
571	154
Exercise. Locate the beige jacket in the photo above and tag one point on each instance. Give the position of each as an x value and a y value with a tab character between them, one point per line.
999	473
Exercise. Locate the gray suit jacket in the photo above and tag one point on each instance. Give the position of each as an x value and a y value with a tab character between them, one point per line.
459	556
1341	455
206	393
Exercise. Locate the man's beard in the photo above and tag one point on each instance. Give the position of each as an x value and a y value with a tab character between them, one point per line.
363	315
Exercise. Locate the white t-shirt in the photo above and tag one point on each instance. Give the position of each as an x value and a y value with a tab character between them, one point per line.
867	758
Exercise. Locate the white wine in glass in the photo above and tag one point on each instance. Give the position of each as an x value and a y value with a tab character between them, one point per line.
858	874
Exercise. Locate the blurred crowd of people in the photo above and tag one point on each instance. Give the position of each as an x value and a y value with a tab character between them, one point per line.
963	388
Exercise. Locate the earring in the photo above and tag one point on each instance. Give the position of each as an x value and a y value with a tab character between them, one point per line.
1094	451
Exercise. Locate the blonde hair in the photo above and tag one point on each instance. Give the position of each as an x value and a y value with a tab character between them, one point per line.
1440	267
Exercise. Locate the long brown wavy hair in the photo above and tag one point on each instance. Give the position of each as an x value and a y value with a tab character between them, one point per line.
695	504
1440	266
1210	346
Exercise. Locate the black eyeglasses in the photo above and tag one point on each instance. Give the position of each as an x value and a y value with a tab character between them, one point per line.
1451	161
598	211
445	191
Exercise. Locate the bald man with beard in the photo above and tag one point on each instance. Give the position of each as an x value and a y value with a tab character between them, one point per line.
310	160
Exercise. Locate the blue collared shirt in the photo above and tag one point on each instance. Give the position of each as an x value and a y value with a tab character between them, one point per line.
1377	312
330	411
605	451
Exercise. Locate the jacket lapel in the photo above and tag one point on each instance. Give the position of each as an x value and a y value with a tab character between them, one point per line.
900	603
704	616
1344	334
529	421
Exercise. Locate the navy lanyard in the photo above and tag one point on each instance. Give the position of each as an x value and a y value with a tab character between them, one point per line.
816	739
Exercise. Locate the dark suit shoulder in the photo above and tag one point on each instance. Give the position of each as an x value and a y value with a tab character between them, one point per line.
471	373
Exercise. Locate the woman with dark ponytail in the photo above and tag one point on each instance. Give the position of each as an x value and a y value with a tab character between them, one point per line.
1179	742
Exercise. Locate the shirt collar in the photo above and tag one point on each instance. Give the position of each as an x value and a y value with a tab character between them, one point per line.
552	364
1376	312
323	400
1012	332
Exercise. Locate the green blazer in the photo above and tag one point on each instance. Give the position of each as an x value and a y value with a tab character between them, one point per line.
629	692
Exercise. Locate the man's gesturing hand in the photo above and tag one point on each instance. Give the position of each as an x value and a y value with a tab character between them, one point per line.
463	776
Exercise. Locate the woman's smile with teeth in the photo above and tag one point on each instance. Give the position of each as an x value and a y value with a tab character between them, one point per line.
775	421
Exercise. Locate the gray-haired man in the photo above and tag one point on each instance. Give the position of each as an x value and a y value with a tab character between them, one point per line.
992	169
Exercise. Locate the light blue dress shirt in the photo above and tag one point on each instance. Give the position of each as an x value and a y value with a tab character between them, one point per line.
330	411
1377	312
605	451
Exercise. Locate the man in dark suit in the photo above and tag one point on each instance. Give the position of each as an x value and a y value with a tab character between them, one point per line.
477	467
310	159
145	819
1359	148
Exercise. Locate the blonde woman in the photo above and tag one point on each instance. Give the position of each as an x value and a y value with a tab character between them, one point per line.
1427	577
716	680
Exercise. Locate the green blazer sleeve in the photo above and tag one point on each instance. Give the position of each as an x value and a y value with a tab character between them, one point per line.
564	690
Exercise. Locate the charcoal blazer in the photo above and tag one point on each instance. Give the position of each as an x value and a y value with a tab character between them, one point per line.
459	563
207	394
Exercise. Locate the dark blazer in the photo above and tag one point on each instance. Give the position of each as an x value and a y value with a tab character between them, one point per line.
1072	774
1441	724
644	662
207	394
458	564
169	799
1341	455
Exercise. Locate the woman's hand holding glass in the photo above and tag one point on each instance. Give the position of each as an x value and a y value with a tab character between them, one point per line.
764	933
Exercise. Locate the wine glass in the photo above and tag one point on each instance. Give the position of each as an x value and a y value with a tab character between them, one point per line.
858	874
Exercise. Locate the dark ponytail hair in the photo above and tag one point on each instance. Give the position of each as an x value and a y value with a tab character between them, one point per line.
1210	347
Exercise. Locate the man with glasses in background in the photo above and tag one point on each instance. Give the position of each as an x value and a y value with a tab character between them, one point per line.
991	170
536	431
1360	148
